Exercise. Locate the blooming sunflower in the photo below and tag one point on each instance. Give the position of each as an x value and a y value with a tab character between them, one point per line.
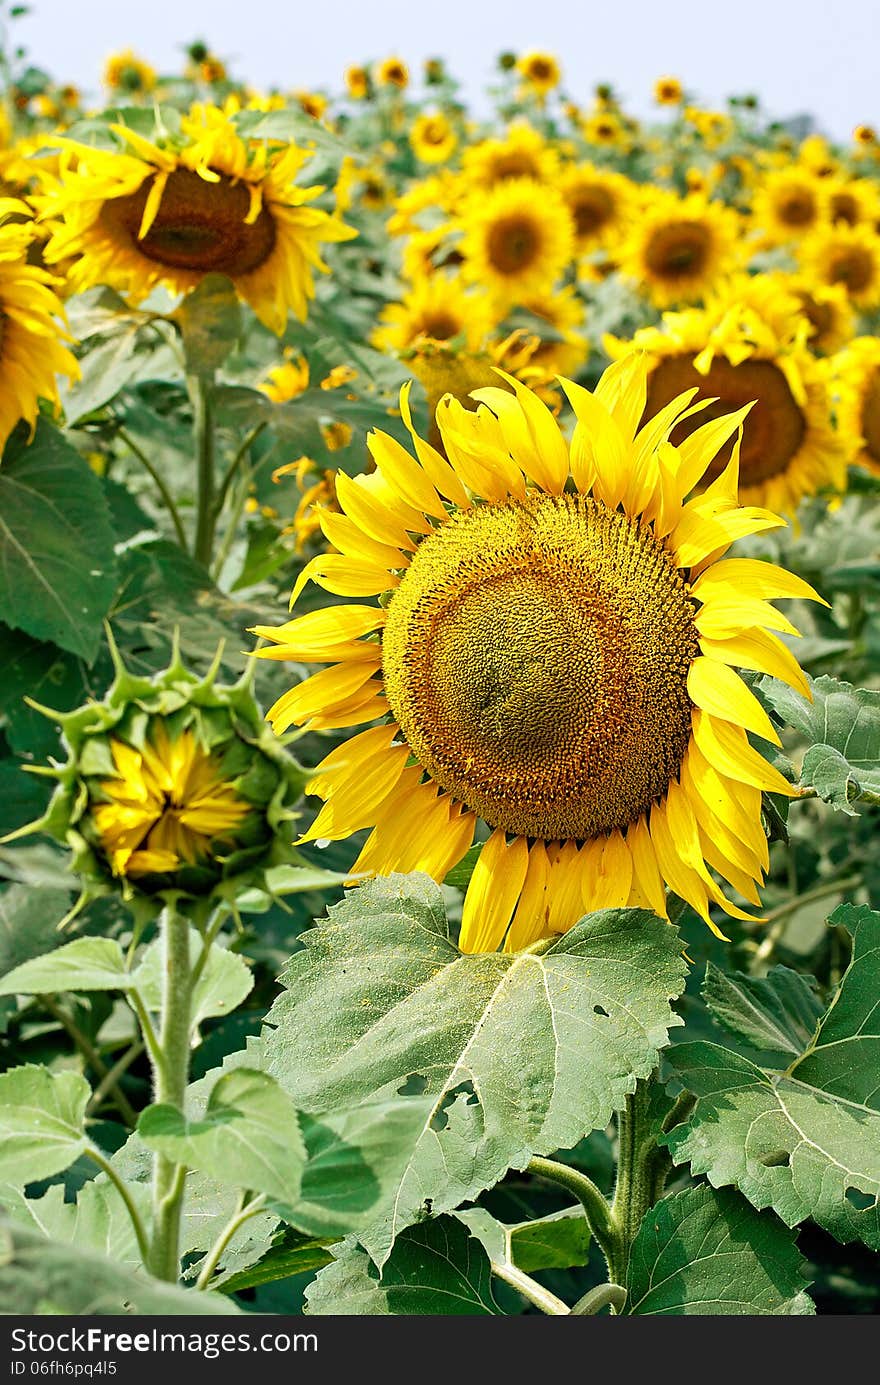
286	381
847	255
562	349
552	653
854	201
787	204
357	82
173	210
393	72
523	153
518	239
601	203
32	350
680	247
127	73
739	358
540	72
433	138
435	308
668	91
855	388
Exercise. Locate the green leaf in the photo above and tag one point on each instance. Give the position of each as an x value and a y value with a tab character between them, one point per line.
56	544
702	1252
86	964
842	724
292	1254
223	984
39	1277
381	1008
97	1220
435	1268
210	323
805	1142
249	1136
557	1242
109	366
777	1013
29	920
42	1122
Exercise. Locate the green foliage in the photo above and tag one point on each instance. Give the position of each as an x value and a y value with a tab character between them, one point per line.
42	1122
56	546
434	1268
384	1014
805	1142
842	725
706	1252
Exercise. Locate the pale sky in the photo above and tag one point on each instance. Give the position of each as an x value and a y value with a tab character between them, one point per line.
800	55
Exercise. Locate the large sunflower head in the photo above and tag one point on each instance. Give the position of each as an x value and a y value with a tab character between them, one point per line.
680	247
737	358
523	153
855	388
32	350
518	239
845	255
787	204
601	203
552	655
435	308
205	201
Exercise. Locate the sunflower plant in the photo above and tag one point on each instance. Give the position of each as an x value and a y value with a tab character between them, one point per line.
440	728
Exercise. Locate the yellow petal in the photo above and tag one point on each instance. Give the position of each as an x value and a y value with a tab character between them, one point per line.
722	693
727	750
598	448
531	922
403	473
761	652
493	892
753	578
441	474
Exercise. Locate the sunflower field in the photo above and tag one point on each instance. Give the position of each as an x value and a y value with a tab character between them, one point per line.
440	713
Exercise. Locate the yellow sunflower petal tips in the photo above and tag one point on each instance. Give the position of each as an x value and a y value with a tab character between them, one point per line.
557	659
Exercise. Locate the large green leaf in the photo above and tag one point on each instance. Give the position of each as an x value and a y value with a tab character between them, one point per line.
805	1142
42	1122
86	964
248	1137
56	544
842	725
702	1252
478	1062
223	984
777	1013
29	920
434	1268
97	1220
41	1277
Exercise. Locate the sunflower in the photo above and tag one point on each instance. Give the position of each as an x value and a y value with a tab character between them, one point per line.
432	138
540	72
827	309
164	806
127	73
436	308
680	247
357	82
668	91
601	203
854	201
552	653
563	349
847	255
604	128
864	136
523	153
739	360
172	211
787	204
32	353
518	239
288	380
393	72
855	388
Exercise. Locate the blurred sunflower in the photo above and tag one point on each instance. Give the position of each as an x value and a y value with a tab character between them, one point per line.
172	211
738	358
562	349
128	74
392	73
855	387
32	353
787	204
357	82
601	203
554	647
436	308
680	247
854	201
668	91
827	309
433	138
518	239
540	72
523	153
286	381
846	255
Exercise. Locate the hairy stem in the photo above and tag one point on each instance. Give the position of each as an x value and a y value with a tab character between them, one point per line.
170	1079
243	1213
201	390
595	1205
529	1288
637	1177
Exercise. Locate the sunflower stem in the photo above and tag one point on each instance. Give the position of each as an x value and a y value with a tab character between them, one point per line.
638	1177
530	1289
594	1203
201	393
167	498
170	1079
